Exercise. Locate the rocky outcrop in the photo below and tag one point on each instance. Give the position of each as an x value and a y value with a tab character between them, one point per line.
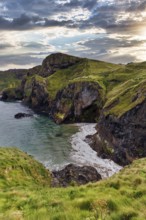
126	136
35	94
57	61
75	175
11	94
78	102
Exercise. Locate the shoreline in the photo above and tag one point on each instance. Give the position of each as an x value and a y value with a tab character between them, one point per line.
82	154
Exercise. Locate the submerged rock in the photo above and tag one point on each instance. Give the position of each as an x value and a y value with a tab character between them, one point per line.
22	115
73	174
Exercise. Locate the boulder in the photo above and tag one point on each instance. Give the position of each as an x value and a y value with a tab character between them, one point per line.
73	174
22	115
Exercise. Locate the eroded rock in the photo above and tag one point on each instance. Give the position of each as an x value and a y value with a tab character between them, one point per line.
78	102
127	134
73	174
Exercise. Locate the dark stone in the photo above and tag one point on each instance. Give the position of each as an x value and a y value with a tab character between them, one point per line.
78	102
126	134
22	115
73	174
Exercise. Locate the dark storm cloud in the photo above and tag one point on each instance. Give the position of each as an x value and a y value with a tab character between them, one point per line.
44	8
137	6
25	22
25	14
79	3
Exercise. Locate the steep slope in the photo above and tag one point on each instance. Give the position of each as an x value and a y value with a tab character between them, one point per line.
19	169
67	88
26	194
123	120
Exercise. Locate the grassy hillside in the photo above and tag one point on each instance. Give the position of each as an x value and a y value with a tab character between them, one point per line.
85	71
26	194
11	78
121	86
129	92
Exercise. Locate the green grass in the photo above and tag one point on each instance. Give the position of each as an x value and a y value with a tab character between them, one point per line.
26	193
127	94
121	87
85	71
118	84
11	78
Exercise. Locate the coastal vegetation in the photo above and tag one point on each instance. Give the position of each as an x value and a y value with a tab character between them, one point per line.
26	193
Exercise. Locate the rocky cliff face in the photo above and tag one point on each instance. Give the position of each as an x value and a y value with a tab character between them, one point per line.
78	102
55	62
58	89
122	139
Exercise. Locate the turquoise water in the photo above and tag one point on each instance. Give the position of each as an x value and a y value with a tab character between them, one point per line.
38	135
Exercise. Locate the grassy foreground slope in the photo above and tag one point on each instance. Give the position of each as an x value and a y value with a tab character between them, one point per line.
25	193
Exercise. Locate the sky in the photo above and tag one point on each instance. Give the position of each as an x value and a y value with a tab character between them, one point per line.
108	30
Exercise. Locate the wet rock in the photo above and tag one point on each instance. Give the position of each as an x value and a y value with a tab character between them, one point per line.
75	175
22	115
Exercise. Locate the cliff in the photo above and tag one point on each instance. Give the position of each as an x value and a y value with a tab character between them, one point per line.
122	124
67	88
72	89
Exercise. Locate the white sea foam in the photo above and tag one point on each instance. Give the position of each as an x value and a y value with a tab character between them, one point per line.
83	154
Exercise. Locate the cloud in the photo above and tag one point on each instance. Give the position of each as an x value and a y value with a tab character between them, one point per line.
94	28
5	45
114	16
21	60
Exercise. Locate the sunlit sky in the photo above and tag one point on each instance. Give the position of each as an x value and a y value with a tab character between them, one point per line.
109	30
